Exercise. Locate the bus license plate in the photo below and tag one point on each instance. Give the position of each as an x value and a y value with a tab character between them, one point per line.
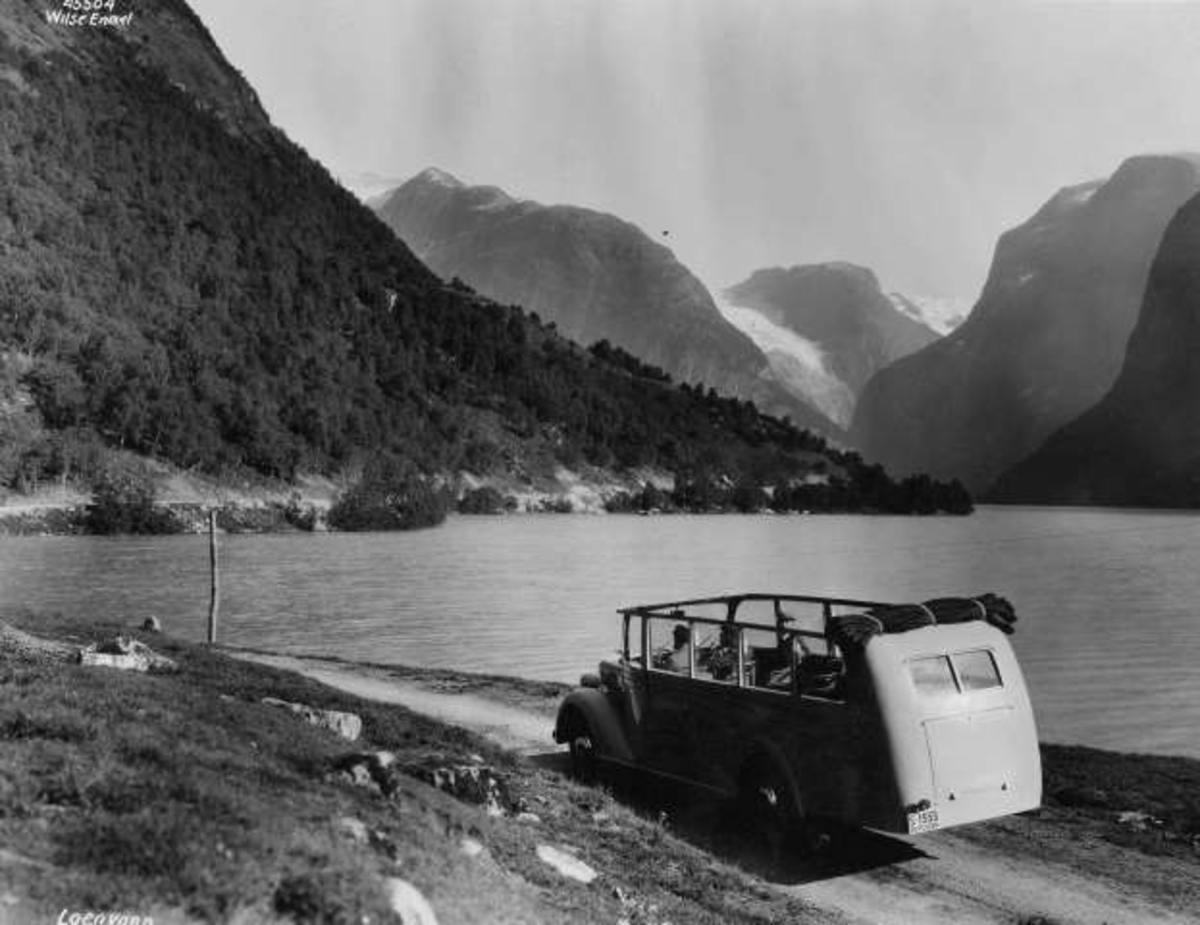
925	820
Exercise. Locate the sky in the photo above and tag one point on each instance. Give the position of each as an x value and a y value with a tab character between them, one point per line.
903	135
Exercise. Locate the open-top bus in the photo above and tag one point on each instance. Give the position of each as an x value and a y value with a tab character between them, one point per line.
901	718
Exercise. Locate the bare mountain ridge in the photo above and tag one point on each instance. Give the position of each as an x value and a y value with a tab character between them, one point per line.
1140	445
1044	342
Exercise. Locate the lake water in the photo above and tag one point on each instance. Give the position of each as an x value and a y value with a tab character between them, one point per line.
1109	635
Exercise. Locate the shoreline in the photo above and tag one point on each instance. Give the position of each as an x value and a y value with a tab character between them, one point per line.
246	505
277	517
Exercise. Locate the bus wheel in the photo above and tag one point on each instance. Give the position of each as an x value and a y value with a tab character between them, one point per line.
823	837
583	751
769	816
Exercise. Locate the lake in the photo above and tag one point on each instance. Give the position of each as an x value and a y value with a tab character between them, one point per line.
1108	635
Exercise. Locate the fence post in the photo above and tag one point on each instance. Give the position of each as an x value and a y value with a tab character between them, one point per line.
215	600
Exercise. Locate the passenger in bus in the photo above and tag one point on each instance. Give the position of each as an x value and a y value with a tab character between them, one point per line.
677	658
723	659
790	650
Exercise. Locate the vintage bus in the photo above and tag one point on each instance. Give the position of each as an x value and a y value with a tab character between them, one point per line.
901	718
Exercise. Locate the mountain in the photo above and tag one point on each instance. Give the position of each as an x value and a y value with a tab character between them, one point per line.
842	325
1045	340
594	276
179	280
1140	445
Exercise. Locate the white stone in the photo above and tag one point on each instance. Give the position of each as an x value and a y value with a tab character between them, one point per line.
355	828
90	659
125	654
408	903
566	865
471	848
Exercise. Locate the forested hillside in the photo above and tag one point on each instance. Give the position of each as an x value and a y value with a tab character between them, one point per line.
181	280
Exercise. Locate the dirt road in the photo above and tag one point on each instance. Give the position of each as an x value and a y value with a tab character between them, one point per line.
516	729
1011	871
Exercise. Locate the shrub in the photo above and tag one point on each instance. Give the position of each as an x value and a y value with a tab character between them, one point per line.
391	495
748	498
649	498
620	503
299	515
126	504
485	500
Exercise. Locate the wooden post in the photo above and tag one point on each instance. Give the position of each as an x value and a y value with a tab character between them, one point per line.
215	600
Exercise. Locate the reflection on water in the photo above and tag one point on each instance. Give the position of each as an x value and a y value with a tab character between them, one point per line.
1107	635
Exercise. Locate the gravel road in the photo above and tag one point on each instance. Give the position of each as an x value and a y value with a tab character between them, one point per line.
1010	871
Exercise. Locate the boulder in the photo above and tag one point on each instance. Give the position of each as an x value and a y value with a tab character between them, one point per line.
125	654
375	770
354	829
347	725
1138	821
471	783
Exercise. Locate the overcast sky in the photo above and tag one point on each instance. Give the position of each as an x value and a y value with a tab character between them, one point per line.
900	134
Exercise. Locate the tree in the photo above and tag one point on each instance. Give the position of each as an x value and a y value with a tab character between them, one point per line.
123	503
391	495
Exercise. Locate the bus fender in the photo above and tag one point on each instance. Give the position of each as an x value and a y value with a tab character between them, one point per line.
602	718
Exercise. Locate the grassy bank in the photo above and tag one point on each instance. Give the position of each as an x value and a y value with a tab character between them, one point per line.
184	797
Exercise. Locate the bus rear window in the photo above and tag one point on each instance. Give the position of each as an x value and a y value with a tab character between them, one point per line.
932	676
976	670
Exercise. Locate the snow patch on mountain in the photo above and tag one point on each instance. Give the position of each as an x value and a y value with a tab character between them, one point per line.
941	313
798	364
440	177
369	187
1078	195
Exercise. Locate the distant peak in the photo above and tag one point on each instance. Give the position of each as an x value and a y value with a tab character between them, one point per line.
1155	170
844	268
852	273
439	177
838	266
1153	158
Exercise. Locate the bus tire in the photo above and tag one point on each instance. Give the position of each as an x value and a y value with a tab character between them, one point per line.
768	813
582	746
